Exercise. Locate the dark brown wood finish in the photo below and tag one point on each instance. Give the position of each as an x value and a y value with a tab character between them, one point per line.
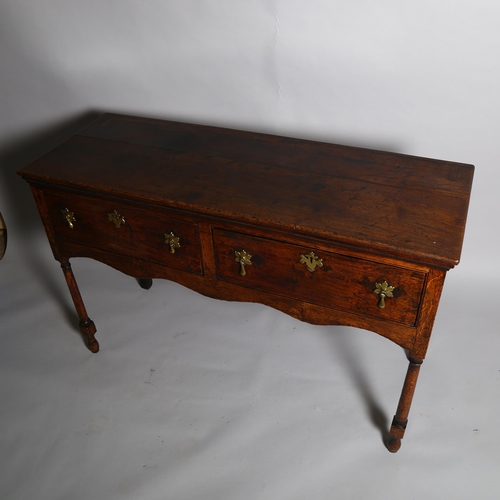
329	234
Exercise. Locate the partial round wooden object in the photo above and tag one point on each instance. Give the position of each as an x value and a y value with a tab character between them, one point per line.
3	236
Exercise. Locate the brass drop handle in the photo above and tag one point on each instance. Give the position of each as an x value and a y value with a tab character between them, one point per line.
311	260
69	217
117	219
172	241
244	259
383	290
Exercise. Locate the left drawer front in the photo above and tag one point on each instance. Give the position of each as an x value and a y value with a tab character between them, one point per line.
141	232
325	278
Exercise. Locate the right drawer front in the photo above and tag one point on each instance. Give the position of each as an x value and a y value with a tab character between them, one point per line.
341	282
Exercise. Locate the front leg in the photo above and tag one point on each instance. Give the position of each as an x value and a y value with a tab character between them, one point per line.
400	420
87	326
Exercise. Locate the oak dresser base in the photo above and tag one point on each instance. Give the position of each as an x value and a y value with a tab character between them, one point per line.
331	235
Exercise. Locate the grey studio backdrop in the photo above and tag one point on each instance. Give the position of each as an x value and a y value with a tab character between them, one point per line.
192	398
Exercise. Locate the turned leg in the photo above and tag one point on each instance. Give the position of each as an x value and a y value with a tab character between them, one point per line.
87	327
145	283
400	420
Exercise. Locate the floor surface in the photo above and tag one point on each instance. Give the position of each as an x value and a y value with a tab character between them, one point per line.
193	398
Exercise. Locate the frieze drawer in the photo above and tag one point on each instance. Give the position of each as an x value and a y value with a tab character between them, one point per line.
318	277
149	234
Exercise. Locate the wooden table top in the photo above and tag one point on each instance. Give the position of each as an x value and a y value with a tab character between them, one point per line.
398	205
